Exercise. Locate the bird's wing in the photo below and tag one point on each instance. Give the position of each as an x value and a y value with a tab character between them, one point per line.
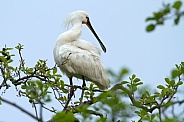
76	61
88	46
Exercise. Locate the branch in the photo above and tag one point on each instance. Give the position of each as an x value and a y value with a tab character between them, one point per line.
4	79
82	88
70	94
35	110
94	113
179	102
89	102
134	102
44	78
48	108
20	108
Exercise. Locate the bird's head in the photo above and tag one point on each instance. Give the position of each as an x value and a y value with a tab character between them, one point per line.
77	17
83	18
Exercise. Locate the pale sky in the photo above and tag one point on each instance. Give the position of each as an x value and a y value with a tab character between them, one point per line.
119	24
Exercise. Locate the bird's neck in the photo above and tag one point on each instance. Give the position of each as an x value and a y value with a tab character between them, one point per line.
71	35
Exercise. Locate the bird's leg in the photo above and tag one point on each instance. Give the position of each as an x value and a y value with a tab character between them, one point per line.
83	88
71	92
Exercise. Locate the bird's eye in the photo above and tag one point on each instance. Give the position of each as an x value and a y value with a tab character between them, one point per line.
87	17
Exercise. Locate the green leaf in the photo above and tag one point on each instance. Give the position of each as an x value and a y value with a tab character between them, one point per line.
133	76
124	82
177	5
47	99
76	102
176	21
160	87
175	73
157	94
182	63
182	70
87	93
150	27
167	80
160	22
152	117
140	83
23	86
129	86
150	18
54	70
137	112
147	93
179	83
29	70
124	71
42	71
134	88
62	98
177	66
167	9
2	59
172	82
168	104
136	80
64	117
19	46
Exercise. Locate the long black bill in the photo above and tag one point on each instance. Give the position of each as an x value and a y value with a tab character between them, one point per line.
93	31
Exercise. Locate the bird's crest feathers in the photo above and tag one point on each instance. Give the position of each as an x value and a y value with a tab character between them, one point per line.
72	17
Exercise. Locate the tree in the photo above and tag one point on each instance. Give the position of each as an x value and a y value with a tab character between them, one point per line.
124	101
169	11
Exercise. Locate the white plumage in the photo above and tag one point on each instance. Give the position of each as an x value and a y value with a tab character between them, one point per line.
79	58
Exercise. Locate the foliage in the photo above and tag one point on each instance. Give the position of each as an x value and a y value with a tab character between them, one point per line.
169	11
124	101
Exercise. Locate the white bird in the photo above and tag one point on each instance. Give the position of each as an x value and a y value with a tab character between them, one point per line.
79	58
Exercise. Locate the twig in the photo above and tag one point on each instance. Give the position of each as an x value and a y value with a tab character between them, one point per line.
57	97
4	78
179	102
82	88
35	110
20	108
48	109
21	60
41	114
69	98
88	102
134	103
94	113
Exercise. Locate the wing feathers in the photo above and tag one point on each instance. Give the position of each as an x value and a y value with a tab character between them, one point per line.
84	62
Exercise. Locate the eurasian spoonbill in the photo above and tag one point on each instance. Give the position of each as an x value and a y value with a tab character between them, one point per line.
79	58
